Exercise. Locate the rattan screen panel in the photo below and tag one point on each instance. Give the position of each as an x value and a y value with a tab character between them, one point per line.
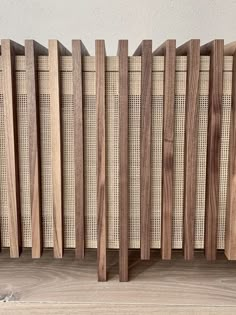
3	177
112	141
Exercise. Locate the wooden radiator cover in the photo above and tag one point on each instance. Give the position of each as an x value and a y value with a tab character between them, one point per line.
91	146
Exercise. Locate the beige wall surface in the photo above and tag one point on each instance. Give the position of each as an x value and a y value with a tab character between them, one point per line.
112	20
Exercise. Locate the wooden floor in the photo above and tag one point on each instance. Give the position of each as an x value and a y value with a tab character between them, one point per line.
54	286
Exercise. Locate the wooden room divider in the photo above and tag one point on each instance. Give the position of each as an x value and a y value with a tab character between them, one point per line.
122	152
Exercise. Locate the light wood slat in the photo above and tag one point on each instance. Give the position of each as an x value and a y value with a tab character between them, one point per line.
32	50
230	230
55	51
78	50
101	160
9	49
145	50
216	51
192	50
168	49
123	160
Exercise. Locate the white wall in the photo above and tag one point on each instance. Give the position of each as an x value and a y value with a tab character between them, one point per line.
112	20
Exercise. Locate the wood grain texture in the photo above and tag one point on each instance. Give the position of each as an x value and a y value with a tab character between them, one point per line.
78	50
101	160
230	230
32	50
145	49
108	308
168	49
123	160
72	282
192	50
55	51
9	49
216	51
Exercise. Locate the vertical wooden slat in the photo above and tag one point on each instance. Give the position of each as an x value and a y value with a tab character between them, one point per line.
32	50
168	49
192	49
123	159
145	50
230	230
101	160
0	209
55	51
216	51
9	50
78	50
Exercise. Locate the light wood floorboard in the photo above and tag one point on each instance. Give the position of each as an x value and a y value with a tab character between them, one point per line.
69	286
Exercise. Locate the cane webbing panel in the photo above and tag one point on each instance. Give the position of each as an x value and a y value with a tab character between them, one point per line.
3	178
112	145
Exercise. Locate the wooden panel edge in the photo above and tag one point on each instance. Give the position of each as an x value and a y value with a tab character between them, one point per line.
55	50
168	49
9	49
32	49
230	228
101	160
78	51
190	146
216	51
123	160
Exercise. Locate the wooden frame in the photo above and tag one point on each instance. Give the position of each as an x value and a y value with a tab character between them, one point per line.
216	51
168	49
9	49
192	50
123	159
230	230
82	76
101	159
32	50
145	50
55	51
78	51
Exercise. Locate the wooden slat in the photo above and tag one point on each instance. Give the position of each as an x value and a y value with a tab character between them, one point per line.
78	50
101	160
55	51
192	49
9	49
229	49
32	50
0	225
168	50
230	230
216	51
123	159
145	49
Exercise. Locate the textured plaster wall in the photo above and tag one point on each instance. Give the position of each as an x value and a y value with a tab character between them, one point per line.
112	20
